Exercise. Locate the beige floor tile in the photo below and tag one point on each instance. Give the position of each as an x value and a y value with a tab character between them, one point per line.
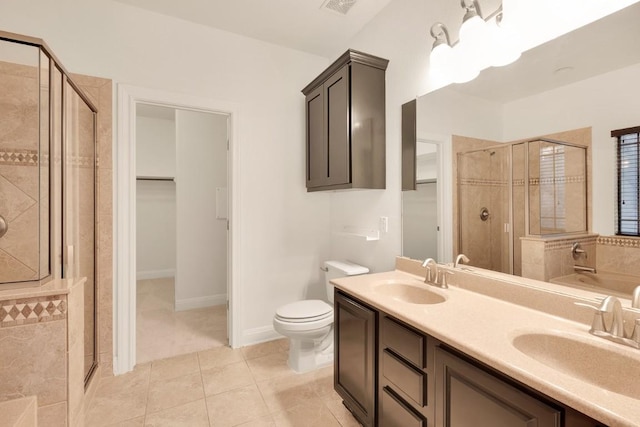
193	414
286	392
340	412
266	421
119	398
310	414
227	377
135	422
270	366
162	332
322	380
166	394
237	406
174	367
219	356
263	349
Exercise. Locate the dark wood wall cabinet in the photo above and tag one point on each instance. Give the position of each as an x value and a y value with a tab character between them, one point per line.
345	124
390	374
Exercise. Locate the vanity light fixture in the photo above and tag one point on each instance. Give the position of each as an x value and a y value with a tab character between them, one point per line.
482	42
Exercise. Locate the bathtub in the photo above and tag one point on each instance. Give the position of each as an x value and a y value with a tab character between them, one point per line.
605	282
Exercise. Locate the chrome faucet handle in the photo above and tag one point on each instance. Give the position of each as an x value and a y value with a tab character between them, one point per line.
635	335
597	324
428	263
443	278
635	299
612	305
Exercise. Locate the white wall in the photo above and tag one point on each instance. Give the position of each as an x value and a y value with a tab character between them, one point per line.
201	140
606	102
283	229
155	200
155	229
155	147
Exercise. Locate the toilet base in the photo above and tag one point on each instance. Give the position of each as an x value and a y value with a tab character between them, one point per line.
309	355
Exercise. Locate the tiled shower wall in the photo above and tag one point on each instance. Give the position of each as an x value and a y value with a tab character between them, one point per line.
616	254
19	172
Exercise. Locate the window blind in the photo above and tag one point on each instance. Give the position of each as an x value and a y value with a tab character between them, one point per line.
628	191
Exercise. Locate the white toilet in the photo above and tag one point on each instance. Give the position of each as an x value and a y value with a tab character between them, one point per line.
309	323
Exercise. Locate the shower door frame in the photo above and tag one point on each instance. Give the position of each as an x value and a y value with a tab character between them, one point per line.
124	357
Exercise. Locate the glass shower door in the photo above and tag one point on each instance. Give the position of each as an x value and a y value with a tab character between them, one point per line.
79	206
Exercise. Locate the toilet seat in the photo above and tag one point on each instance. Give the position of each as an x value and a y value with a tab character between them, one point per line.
306	311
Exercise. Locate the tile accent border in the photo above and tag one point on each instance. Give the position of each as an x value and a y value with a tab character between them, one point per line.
26	311
627	242
568	242
19	157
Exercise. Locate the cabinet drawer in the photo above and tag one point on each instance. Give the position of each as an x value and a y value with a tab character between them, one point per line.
404	341
395	413
405	377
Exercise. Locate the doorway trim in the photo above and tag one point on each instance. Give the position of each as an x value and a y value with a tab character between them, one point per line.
444	197
124	199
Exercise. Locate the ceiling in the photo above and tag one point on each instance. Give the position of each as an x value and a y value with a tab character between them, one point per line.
298	24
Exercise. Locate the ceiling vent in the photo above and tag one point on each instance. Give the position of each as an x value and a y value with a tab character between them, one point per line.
338	6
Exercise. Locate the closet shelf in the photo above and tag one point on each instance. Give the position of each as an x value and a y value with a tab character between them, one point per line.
368	235
155	178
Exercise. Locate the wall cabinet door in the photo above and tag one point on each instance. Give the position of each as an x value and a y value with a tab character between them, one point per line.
316	137
336	91
355	352
328	147
467	396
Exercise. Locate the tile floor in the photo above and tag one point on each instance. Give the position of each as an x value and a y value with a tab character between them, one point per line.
252	386
163	332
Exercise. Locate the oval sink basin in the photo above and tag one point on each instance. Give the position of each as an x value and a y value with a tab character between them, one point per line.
409	293
589	362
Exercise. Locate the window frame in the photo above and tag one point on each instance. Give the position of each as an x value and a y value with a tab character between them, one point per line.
619	134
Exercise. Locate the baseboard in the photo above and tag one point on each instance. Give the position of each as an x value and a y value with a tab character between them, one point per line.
259	335
200	302
155	274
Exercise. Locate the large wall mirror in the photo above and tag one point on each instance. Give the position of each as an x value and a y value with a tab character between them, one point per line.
558	97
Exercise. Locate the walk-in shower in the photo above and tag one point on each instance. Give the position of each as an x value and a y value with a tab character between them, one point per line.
47	178
508	191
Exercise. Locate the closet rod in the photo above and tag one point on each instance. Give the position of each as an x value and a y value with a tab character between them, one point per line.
146	178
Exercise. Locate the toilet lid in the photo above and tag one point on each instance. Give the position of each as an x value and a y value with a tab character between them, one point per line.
307	310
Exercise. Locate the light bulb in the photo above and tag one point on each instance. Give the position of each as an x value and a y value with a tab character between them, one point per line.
503	46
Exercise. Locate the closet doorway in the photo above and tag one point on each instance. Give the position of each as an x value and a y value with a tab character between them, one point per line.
181	230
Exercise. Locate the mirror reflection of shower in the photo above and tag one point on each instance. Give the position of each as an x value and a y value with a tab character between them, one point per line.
508	191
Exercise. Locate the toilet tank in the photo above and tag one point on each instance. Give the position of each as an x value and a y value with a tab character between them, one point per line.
336	269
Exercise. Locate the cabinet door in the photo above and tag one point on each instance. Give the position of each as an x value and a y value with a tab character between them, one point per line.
338	118
316	139
467	396
354	367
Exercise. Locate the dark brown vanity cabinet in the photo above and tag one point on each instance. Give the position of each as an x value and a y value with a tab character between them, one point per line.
345	124
390	374
405	390
468	396
355	357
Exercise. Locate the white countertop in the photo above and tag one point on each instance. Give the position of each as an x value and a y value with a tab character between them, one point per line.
483	327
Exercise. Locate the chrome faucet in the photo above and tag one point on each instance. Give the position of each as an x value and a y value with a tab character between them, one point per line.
612	305
428	263
461	258
615	332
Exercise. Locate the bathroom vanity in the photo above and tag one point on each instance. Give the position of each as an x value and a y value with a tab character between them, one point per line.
406	360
